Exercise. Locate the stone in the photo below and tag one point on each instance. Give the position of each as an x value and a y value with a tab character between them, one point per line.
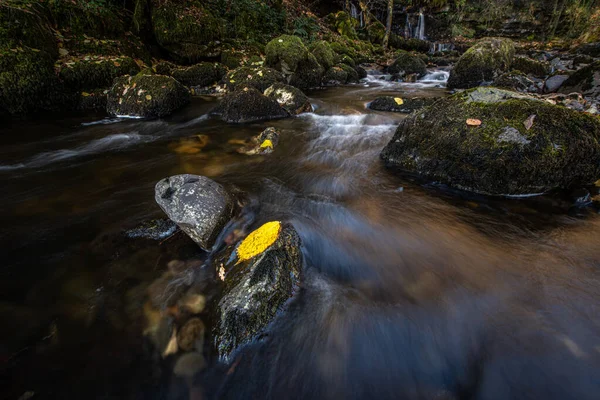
147	96
259	78
262	144
198	205
397	104
482	63
585	81
554	83
500	156
292	99
191	335
406	64
249	105
199	75
260	275
515	80
335	76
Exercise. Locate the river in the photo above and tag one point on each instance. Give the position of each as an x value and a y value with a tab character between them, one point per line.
411	290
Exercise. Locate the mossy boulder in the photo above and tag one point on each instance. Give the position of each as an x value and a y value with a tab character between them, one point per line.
200	75
335	76
249	105
94	72
232	59
345	59
483	62
376	32
499	156
147	96
407	64
164	67
292	99
352	75
259	78
260	275
20	27
344	24
323	53
28	82
285	53
398	104
308	75
528	66
585	81
188	32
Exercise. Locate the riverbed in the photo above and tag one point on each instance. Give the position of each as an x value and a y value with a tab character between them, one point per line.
410	289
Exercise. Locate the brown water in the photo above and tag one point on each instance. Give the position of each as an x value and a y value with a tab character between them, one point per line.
411	290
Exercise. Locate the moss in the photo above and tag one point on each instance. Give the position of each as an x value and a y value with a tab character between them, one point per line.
26	28
127	45
406	64
93	100
348	61
93	72
323	53
187	31
232	59
164	68
482	63
376	32
148	96
335	76
80	17
202	74
531	67
259	78
290	98
500	156
285	53
345	25
308	74
352	75
258	241
249	105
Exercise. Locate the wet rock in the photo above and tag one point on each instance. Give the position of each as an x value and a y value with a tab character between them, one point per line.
156	229
335	76
554	83
264	143
323	53
406	64
199	75
198	205
308	75
397	104
293	100
585	81
259	78
146	96
351	73
362	73
500	156
482	63
248	105
261	277
515	80
528	66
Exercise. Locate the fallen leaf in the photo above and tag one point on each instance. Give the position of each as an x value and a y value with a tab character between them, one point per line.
399	101
85	94
148	97
473	122
529	121
117	64
63	52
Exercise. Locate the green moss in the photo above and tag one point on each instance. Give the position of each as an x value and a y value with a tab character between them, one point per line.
345	25
308	74
260	78
323	53
26	27
232	59
203	74
285	53
335	76
406	64
531	67
352	75
80	17
348	61
376	32
93	72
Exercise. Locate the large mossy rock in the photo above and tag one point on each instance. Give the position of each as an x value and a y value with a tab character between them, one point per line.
401	105
292	99
198	205
343	23
407	64
376	32
260	276
585	81
324	54
249	105
147	96
483	62
259	78
335	76
187	31
500	156
200	75
308	75
93	72
27	27
288	55
528	66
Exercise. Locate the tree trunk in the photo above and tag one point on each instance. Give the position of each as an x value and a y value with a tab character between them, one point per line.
388	25
348	6
365	10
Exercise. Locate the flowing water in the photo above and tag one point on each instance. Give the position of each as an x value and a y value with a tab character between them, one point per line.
410	290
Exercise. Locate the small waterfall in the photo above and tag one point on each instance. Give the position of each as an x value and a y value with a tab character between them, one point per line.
420	30
408	32
441	47
354	12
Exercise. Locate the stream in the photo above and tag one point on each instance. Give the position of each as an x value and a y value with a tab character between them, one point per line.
411	290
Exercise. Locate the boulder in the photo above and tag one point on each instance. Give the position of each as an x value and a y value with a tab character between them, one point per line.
308	75
262	144
343	23
292	99
397	104
515	80
498	142
94	72
288	55
259	78
352	75
554	83
147	96
200	75
376	32
259	275
335	76
323	53
198	205
528	66
483	62
406	64
249	105
585	81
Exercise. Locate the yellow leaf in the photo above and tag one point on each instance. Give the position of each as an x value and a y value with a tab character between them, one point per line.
399	101
260	73
85	94
266	143
258	241
148	97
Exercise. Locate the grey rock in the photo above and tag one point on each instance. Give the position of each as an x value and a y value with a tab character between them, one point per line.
198	205
512	135
554	83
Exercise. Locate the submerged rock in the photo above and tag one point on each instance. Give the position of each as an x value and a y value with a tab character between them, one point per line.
407	64
264	143
397	104
262	276
483	62
199	206
249	105
146	96
292	99
508	152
